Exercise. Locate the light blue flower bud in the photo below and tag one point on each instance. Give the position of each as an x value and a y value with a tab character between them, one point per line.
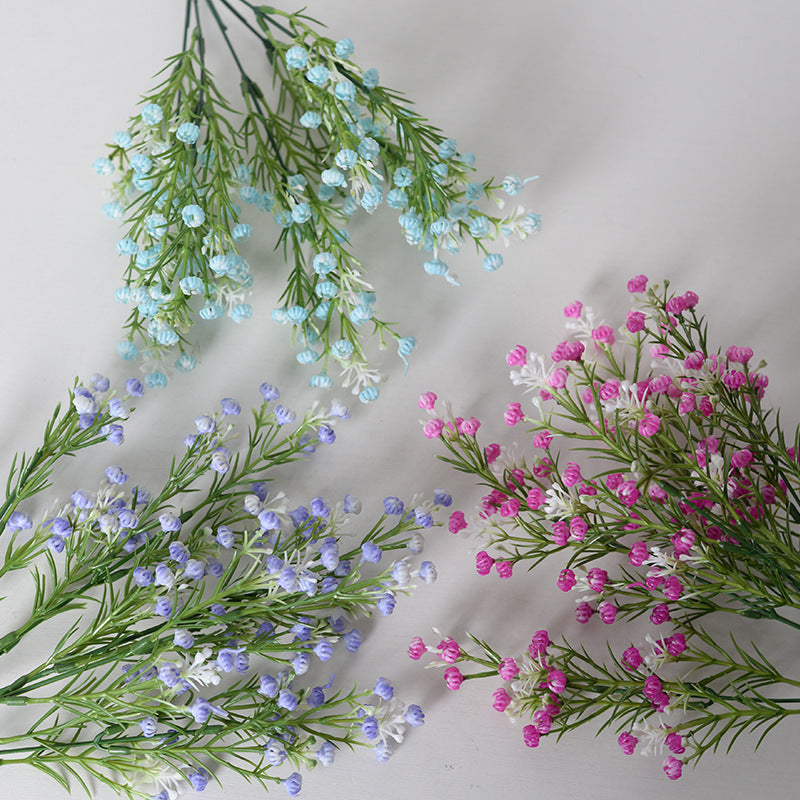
324	263
141	164
371	199
323	310
123	139
326	289
155	225
360	314
479	227
152	114
187	132
113	210
440	226
307	356
333	177
457	211
192	284
512	185
241	312
155	380
128	351
321	381
167	336
301	213
297	183
492	262
249	194
436	267
370	78
344	48
296	57
350	206
297	314
311	119
318	75
193	215
447	149
345	91
473	192
342	349
368	394
103	166
142	183
241	232
346	158
531	223
440	173
127	246
368	148
211	311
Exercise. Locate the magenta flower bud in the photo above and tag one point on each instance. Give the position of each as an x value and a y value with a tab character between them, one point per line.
502	699
453	678
638	554
535	498
417	648
635	321
449	650
433	428
508	669
557	379
539	644
517	356
596	578
427	400
504	569
483	563
637	284
578	529
627	742
608	612
673	767
560	533
556	681
652	686
674	741
583	612
530	736
660	614
566	580
513	414
632	658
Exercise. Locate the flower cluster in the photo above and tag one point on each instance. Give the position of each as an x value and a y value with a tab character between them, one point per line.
214	601
654	469
328	144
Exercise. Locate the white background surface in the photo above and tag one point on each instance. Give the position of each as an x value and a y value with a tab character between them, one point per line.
665	135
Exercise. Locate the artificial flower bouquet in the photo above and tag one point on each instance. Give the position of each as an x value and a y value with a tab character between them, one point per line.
183	623
314	142
653	469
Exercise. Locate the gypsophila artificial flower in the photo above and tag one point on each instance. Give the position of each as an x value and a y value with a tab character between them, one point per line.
213	598
196	178
668	490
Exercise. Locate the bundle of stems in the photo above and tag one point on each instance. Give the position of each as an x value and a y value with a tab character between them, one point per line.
176	631
313	141
656	472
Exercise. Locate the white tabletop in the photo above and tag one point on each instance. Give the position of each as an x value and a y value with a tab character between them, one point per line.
665	135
